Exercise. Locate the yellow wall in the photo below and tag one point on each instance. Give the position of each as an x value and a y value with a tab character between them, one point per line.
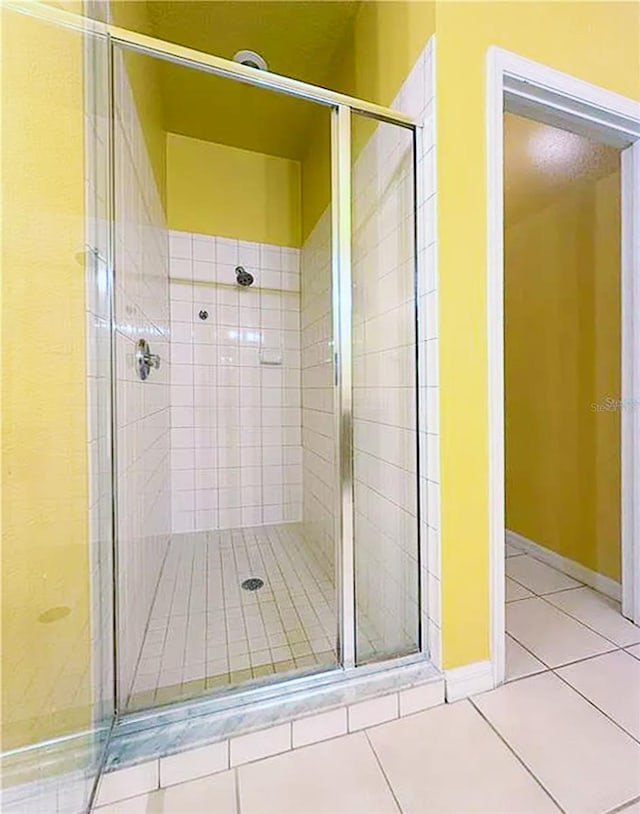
144	78
562	357
384	43
218	190
598	42
45	679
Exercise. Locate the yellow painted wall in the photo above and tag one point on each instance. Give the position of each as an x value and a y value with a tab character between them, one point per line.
562	357
385	40
45	558
219	190
598	42
144	77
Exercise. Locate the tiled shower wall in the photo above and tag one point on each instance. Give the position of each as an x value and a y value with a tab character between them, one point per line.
384	390
142	409
236	456
318	411
385	408
384	377
385	395
424	107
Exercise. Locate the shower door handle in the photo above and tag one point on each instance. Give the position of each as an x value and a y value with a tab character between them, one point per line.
145	360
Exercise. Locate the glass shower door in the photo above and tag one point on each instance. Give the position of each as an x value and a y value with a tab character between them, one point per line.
385	394
226	464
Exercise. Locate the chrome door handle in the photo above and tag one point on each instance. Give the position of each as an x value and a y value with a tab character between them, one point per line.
145	360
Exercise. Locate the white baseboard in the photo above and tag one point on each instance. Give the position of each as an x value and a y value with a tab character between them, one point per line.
574	569
461	682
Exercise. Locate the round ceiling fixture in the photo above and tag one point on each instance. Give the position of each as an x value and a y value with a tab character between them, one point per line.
251	59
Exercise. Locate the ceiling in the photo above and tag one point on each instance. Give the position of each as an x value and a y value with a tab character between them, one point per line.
298	39
541	162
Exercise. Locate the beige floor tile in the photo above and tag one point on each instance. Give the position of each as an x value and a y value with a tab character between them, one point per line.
209	795
598	612
537	576
520	662
612	683
134	805
515	591
551	635
635	651
448	759
128	782
333	777
511	551
584	760
634	808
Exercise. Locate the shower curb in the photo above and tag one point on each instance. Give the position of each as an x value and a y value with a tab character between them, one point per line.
253	728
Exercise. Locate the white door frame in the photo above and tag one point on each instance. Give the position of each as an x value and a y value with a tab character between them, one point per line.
537	91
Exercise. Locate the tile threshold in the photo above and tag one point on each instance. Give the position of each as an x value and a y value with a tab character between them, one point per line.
159	733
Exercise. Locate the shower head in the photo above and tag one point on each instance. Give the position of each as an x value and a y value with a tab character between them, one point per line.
250	58
243	277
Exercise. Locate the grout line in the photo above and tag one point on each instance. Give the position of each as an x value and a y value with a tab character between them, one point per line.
596	707
236	787
546	593
521	599
580	622
516	755
532	654
566	664
566	613
624	807
381	767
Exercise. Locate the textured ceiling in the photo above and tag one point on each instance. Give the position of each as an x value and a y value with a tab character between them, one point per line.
298	39
542	162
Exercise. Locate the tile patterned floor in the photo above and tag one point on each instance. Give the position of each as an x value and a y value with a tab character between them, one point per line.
562	735
206	632
554	620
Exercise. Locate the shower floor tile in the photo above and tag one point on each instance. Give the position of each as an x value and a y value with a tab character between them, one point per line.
206	632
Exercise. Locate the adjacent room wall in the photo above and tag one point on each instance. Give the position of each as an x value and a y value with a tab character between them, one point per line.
598	42
562	364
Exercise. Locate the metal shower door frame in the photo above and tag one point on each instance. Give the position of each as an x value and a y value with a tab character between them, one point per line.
342	109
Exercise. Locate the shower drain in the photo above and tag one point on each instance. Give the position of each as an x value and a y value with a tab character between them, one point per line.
253	584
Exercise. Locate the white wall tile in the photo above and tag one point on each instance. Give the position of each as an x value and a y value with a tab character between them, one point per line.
239	403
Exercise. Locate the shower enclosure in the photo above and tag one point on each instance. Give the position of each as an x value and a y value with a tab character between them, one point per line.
267	450
253	377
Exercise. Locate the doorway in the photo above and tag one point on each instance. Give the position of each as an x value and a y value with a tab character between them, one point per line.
588	595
